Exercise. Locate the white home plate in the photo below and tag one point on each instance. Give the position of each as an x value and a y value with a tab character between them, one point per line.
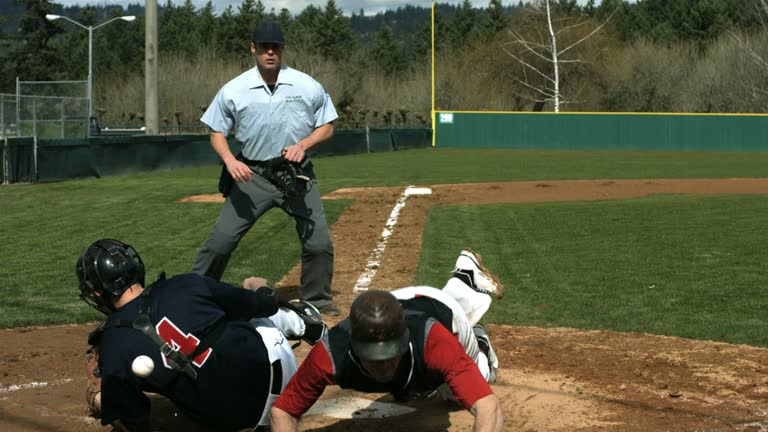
418	191
354	407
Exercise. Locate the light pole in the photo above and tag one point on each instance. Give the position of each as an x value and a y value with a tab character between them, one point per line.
52	17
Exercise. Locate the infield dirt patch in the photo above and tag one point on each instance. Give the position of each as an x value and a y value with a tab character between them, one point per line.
551	379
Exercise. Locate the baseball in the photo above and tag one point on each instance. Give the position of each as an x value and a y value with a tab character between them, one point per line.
142	366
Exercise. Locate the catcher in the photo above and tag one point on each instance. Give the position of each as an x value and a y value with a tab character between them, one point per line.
218	352
411	342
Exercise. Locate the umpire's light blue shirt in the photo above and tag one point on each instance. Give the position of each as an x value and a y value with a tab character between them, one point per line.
265	123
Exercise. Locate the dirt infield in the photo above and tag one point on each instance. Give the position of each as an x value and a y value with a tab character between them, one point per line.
551	379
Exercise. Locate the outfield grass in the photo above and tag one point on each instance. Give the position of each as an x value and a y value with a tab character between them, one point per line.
684	265
435	166
44	227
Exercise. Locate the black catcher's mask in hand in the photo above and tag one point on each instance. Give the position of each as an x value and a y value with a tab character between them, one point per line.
293	179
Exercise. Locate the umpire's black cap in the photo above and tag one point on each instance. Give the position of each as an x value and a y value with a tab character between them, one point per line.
268	32
379	330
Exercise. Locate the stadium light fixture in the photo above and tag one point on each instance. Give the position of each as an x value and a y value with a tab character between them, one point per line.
128	18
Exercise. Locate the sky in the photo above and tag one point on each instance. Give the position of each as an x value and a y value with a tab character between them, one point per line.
370	7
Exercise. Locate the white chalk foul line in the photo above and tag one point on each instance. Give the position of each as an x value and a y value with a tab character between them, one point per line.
374	260
32	385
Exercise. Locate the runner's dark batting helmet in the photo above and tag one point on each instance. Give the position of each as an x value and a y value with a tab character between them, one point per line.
379	331
105	270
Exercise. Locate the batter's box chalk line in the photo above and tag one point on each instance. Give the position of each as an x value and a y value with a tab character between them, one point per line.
32	385
374	260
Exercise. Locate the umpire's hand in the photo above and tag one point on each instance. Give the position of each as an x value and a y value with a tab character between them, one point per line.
294	153
239	171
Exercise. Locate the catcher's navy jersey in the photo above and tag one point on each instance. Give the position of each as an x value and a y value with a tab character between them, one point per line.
233	375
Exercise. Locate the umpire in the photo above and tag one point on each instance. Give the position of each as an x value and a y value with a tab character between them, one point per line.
273	111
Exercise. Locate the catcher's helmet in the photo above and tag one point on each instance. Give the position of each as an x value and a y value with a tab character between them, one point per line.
379	330
105	270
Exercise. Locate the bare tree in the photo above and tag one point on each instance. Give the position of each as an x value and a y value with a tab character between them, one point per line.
761	9
543	59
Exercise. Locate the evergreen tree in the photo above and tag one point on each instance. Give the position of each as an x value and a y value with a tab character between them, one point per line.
463	26
385	52
249	16
74	41
118	47
177	29
230	43
302	35
620	10
36	58
707	19
443	35
165	37
495	20
565	7
284	18
335	37
206	26
422	43
590	8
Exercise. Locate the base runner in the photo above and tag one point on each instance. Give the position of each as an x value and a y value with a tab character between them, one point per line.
409	343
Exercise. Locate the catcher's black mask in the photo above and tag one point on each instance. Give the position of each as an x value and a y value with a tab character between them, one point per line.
293	179
105	270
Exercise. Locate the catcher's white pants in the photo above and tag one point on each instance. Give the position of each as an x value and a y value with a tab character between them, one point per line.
462	327
278	348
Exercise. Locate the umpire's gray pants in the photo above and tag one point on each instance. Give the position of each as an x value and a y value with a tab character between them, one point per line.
244	206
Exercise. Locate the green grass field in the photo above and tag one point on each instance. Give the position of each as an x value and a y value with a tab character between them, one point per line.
684	265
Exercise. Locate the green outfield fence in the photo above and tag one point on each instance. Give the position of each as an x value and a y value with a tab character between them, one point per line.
601	131
30	160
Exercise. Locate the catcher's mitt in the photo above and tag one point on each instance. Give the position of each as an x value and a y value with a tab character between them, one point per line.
93	386
293	179
314	327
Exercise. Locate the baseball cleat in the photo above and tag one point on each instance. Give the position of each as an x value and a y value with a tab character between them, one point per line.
470	269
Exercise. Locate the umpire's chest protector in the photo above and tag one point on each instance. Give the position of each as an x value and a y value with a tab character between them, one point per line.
412	376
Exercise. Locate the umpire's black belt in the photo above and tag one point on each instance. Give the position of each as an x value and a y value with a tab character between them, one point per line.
252	163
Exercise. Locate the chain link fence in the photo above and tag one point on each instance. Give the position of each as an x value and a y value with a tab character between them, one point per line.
38	110
47	109
9	125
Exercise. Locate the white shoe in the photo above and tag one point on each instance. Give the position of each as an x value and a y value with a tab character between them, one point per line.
470	269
